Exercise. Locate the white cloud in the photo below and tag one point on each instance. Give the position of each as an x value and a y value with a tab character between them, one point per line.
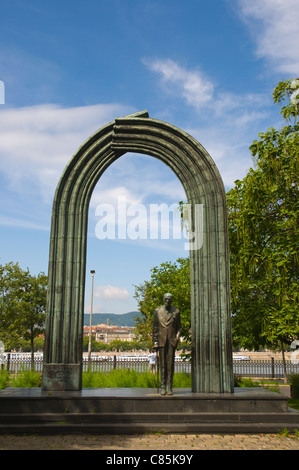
195	88
37	142
105	194
109	292
21	223
227	122
137	179
201	93
274	27
127	192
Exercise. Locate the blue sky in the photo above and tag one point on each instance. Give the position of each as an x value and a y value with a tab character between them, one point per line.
69	67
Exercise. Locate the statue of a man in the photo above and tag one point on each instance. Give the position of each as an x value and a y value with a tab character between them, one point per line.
166	336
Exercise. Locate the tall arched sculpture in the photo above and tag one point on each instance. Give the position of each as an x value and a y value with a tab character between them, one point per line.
209	265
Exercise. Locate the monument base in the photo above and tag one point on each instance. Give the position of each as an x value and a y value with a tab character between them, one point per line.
61	377
133	411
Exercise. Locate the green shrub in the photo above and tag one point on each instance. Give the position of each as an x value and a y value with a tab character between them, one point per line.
4	378
294	403
182	380
126	378
88	379
118	379
237	381
27	379
245	382
294	382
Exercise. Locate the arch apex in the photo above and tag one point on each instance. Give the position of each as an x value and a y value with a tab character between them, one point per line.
139	114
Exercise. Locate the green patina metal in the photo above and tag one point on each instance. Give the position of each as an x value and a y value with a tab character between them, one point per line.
212	370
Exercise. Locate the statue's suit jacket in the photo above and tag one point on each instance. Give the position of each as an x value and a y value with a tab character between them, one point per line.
166	325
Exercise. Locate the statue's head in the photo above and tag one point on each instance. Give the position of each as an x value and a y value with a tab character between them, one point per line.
168	298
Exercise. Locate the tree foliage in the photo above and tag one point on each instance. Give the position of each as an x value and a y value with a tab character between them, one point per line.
263	235
263	230
22	305
168	277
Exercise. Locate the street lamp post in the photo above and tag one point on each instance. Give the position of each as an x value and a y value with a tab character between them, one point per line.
92	272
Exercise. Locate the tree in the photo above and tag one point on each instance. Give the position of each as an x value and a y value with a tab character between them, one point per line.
22	305
263	231
263	235
168	277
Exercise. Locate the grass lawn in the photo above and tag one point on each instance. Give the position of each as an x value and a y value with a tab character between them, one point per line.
294	403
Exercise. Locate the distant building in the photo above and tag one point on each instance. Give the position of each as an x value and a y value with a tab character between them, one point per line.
107	333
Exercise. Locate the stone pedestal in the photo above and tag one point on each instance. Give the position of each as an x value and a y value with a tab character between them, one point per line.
59	377
133	411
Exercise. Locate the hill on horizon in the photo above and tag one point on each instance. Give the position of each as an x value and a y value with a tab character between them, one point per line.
115	319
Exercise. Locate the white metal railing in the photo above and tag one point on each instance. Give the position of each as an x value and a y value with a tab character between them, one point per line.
268	368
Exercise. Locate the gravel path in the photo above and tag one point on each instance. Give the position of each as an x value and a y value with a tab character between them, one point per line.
150	442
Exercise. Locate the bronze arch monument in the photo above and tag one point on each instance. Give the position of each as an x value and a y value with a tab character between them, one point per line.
212	369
